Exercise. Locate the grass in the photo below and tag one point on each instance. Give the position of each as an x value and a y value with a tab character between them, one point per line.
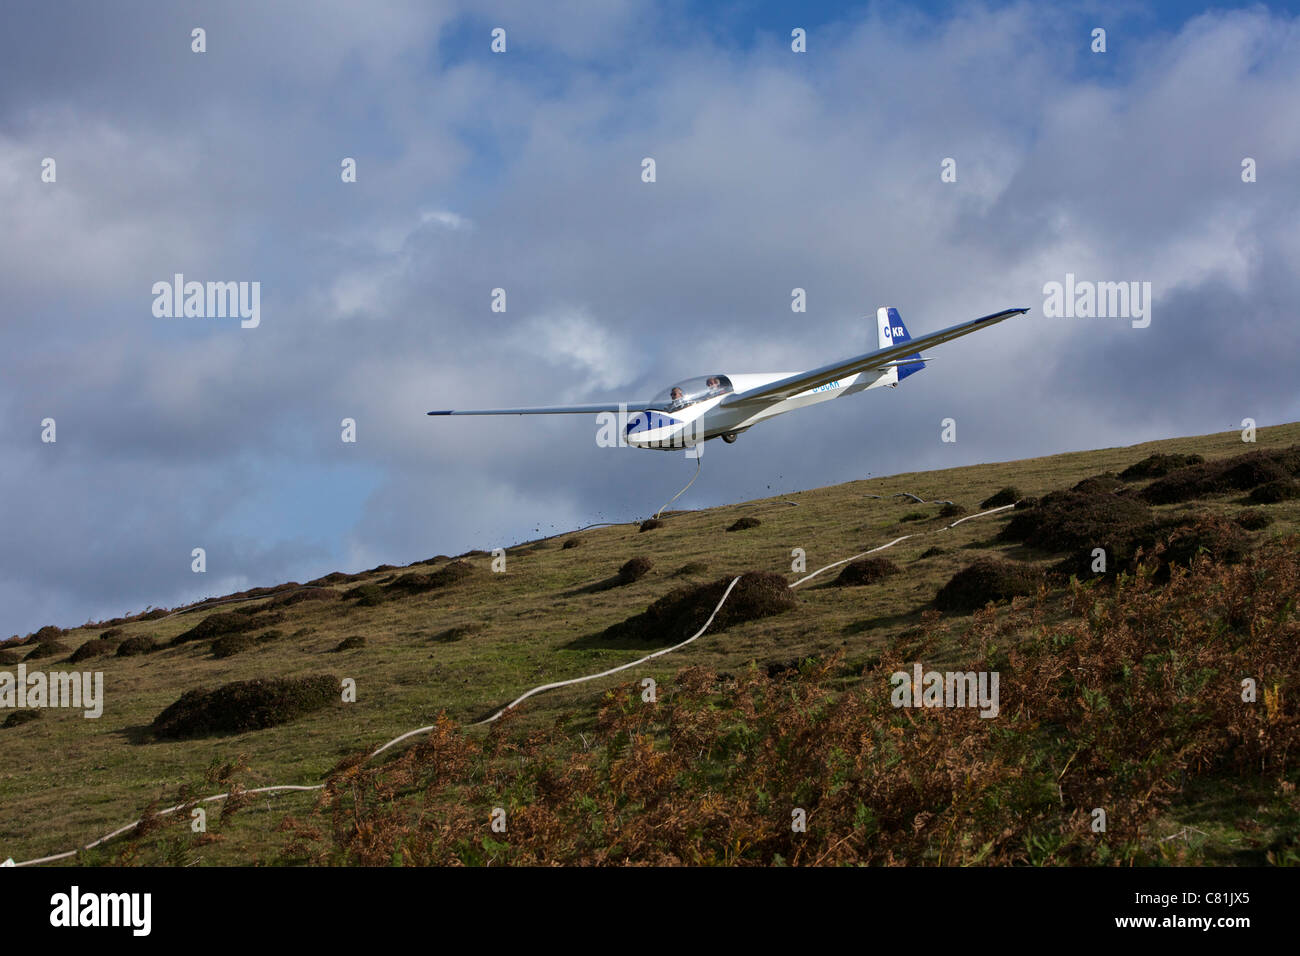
479	639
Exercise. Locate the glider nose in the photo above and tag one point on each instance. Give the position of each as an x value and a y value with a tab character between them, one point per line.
652	429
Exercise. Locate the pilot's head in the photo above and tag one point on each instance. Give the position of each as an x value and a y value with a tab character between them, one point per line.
678	393
713	381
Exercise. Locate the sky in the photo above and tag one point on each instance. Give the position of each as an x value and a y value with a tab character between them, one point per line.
521	170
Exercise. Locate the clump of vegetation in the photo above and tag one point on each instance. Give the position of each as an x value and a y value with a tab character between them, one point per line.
1157	466
1068	520
452	573
952	510
8	656
112	634
231	644
650	524
221	623
744	523
915	516
47	649
48	634
1271	492
24	716
245	705
634	570
272	635
1105	483
988	579
691	568
866	571
1007	496
1222	476
795	667
367	595
97	647
683	611
1253	519
335	577
309	594
458	633
932	552
350	644
415	583
140	644
571	543
1222	540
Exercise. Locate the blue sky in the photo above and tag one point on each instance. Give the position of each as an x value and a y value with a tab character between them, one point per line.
522	171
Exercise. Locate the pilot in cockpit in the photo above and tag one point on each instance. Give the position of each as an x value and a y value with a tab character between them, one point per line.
677	394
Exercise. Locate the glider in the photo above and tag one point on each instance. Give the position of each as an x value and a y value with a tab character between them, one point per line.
712	406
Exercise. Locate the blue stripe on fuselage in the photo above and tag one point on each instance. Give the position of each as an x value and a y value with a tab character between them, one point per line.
649	421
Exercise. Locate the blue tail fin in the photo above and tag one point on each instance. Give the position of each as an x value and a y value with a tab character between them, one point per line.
892	331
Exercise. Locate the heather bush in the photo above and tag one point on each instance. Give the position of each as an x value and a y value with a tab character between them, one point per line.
141	644
19	717
988	579
47	649
245	705
229	645
221	623
683	611
1007	496
1157	466
1221	476
1253	519
1271	492
309	594
634	570
97	647
866	571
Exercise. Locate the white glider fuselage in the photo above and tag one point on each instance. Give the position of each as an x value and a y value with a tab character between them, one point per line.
709	418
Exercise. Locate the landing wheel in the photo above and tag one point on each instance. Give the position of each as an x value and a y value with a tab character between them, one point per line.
729	437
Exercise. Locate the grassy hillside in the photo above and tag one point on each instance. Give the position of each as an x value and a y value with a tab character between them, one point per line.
450	637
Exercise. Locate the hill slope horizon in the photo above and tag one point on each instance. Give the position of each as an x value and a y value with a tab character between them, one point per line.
445	642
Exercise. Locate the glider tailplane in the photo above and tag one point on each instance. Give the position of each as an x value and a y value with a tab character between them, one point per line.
891	331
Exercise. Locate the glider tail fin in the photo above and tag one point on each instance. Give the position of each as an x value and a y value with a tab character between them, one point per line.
891	331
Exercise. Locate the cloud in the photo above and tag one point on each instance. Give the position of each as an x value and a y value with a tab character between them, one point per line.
523	171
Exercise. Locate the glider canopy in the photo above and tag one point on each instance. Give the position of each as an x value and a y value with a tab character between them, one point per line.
692	390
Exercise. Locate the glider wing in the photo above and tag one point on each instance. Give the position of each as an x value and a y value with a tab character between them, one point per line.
553	409
879	359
